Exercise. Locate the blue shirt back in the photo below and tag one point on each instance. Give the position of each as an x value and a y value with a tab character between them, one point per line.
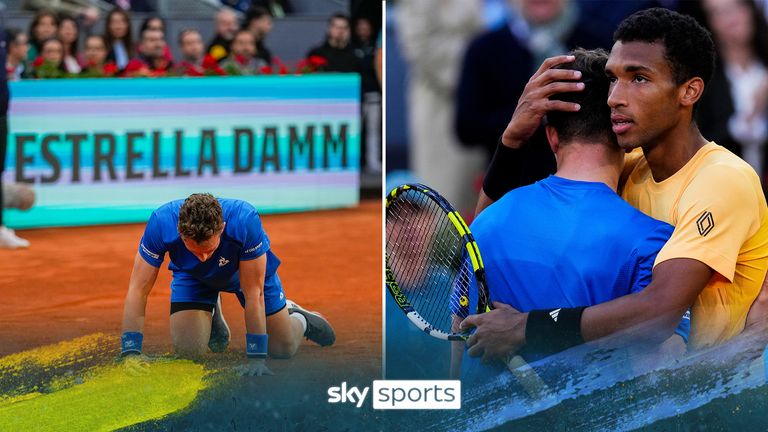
243	239
565	243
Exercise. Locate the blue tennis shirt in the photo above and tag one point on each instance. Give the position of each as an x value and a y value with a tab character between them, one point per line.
243	239
565	243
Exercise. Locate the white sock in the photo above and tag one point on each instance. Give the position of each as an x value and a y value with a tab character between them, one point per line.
300	318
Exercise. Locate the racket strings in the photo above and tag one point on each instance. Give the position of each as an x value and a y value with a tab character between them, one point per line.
428	258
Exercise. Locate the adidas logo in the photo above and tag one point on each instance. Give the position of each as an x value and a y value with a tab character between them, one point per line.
223	261
554	314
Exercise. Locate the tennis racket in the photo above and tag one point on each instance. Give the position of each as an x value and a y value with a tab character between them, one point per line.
432	261
434	270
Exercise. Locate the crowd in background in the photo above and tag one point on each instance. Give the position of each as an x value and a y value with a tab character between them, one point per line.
469	60
60	44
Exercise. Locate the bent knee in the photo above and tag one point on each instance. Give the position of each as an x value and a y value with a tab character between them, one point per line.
189	349
283	350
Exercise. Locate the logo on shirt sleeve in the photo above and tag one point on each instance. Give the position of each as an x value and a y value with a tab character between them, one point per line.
254	248
705	223
149	252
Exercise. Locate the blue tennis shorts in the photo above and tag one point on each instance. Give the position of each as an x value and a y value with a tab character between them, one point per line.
187	289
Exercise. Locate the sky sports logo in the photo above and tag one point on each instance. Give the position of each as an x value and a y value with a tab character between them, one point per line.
401	394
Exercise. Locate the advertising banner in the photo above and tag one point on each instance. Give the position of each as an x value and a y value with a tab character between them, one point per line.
103	151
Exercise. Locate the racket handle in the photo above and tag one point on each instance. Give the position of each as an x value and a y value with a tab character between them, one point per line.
528	378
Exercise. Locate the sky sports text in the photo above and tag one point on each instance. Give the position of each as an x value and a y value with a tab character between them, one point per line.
401	394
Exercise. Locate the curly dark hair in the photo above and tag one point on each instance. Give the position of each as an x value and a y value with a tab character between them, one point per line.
593	120
688	46
200	217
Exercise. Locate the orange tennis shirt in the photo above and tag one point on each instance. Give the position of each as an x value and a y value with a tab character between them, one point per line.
718	209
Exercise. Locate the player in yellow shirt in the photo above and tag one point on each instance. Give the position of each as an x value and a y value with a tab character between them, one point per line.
717	206
717	257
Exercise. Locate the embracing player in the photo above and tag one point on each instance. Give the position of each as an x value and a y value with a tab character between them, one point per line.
216	245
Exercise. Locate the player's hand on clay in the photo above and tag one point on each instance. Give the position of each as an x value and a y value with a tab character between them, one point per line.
254	367
135	364
534	103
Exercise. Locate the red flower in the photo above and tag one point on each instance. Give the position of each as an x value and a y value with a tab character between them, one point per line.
134	66
283	69
241	59
266	70
38	62
110	69
209	62
193	71
317	61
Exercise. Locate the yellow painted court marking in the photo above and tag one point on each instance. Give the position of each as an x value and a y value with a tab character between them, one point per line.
60	354
106	398
110	399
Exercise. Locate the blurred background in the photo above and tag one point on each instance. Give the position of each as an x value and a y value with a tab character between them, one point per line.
321	56
456	68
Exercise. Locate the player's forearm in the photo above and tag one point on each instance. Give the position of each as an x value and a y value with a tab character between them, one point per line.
640	316
255	314
134	311
653	313
142	280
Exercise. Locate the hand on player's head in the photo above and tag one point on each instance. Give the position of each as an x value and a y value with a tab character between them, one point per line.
534	103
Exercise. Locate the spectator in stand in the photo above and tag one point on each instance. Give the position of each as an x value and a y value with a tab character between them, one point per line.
194	60
95	51
732	112
44	26
226	27
365	50
118	36
243	60
157	23
16	54
69	34
95	59
259	22
336	50
89	10
151	60
496	68
50	63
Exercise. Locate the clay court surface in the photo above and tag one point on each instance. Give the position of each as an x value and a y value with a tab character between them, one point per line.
71	282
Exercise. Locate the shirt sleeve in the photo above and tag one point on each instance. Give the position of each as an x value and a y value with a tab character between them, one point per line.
715	216
152	248
255	240
645	255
